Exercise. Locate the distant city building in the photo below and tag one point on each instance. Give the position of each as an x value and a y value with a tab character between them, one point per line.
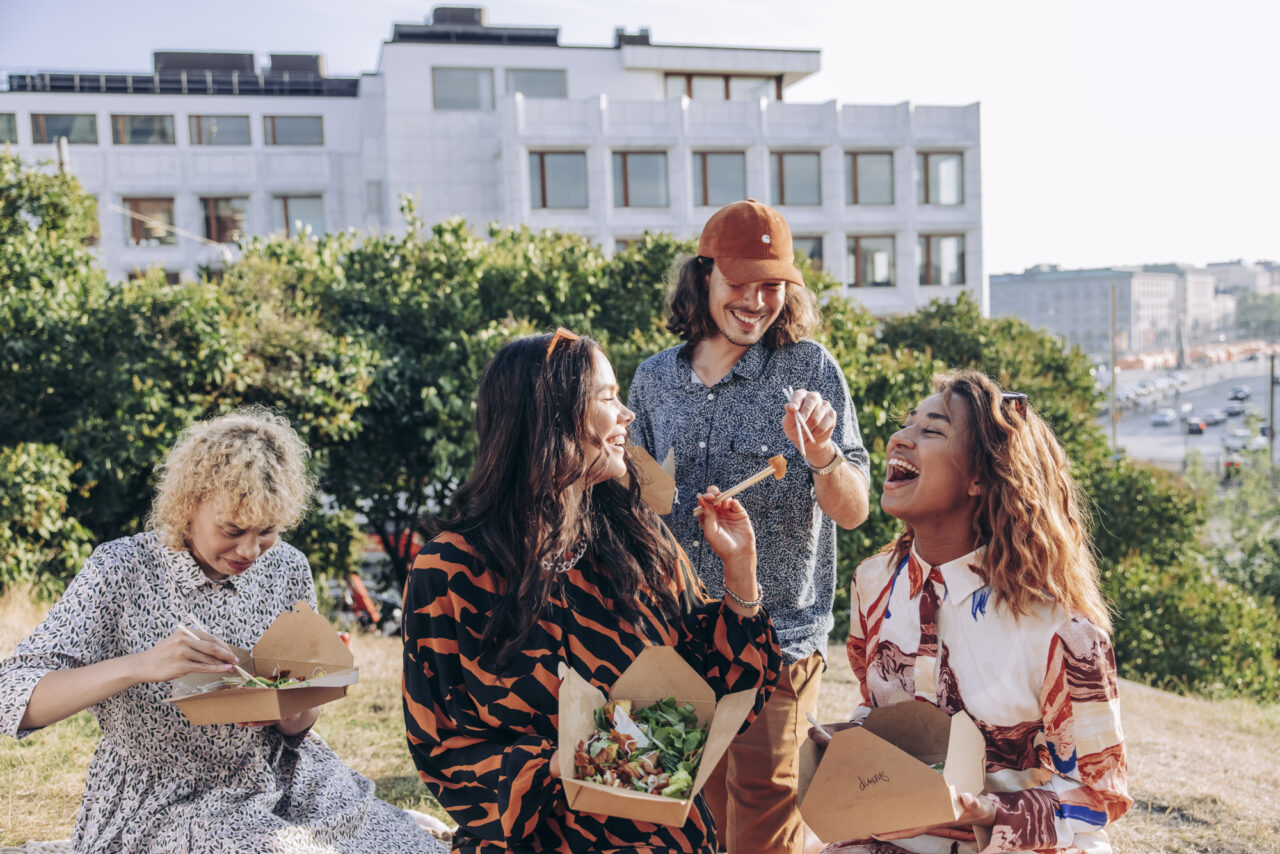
1076	305
1237	277
499	123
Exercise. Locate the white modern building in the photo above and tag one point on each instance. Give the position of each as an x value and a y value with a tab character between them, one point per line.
499	123
1076	305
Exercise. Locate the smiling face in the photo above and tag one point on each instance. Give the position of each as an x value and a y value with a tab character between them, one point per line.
929	483
743	313
604	450
220	547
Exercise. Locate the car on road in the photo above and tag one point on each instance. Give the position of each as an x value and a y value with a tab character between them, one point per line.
1215	416
1194	424
1240	392
1233	409
1244	440
1163	418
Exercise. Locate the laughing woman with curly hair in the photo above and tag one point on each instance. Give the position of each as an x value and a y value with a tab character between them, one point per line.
988	603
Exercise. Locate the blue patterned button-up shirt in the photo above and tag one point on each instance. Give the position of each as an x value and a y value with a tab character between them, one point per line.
727	432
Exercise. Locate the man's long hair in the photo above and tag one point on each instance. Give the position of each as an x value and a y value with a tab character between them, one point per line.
689	314
1031	515
527	501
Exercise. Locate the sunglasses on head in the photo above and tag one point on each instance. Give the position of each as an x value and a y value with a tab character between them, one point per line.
562	334
1018	399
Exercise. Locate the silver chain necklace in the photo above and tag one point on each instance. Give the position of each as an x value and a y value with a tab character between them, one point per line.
568	563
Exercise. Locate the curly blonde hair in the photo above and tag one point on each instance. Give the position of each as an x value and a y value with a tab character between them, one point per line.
1031	515
250	464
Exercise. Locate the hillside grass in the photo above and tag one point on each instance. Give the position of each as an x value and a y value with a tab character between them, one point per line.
1203	774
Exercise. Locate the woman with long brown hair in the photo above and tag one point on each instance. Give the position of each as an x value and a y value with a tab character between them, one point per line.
988	603
551	560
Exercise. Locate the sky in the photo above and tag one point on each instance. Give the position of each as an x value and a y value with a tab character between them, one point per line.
1113	131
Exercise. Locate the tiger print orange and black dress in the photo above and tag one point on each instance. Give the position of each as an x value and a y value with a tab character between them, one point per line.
482	743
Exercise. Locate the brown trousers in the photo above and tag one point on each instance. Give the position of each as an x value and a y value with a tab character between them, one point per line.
752	792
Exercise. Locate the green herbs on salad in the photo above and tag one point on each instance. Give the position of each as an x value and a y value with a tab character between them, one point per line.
655	749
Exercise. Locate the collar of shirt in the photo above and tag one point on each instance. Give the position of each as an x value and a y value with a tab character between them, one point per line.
960	575
749	366
189	576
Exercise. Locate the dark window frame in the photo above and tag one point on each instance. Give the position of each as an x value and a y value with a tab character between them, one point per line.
195	129
626	180
926	259
131	237
269	134
119	124
851	167
13	119
542	182
208	209
689	75
778	158
284	199
853	247
702	194
922	163
40	130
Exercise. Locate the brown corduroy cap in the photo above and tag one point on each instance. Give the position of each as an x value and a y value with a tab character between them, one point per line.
750	242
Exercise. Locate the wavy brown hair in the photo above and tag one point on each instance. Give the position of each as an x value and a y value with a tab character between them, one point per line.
689	315
522	503
1031	515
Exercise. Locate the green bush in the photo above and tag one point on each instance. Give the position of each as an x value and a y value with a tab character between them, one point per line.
333	542
1180	628
39	543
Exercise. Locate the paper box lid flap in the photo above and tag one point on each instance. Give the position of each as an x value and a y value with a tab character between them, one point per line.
920	729
659	671
299	638
657	486
966	768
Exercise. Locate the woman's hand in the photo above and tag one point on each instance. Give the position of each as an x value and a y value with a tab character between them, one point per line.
822	736
729	533
727	528
180	654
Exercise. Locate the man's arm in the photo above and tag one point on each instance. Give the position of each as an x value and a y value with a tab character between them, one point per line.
844	493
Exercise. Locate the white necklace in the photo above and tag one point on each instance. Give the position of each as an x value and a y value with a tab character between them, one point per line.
568	563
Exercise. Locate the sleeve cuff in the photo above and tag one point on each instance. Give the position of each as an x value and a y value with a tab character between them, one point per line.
15	694
526	786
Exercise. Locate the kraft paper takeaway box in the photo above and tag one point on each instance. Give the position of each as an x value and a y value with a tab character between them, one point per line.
300	642
877	778
658	672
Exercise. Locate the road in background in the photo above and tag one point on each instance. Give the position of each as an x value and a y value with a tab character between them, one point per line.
1167	446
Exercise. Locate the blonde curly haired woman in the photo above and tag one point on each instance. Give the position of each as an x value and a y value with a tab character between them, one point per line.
226	492
988	603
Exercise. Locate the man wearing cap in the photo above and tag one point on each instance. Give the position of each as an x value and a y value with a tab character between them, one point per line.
719	403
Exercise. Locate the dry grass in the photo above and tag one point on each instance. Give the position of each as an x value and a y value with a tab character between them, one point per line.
1202	773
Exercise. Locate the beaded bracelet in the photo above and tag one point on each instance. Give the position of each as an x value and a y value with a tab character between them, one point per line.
743	602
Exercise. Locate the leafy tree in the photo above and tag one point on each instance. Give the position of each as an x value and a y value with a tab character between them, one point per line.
39	543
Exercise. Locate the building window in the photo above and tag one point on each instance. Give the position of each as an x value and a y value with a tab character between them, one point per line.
811	248
8	128
557	179
622	244
723	87
871	260
149	222
719	177
868	178
940	178
294	130
942	259
462	88
639	179
142	130
219	130
224	218
78	129
292	215
536	82
796	178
